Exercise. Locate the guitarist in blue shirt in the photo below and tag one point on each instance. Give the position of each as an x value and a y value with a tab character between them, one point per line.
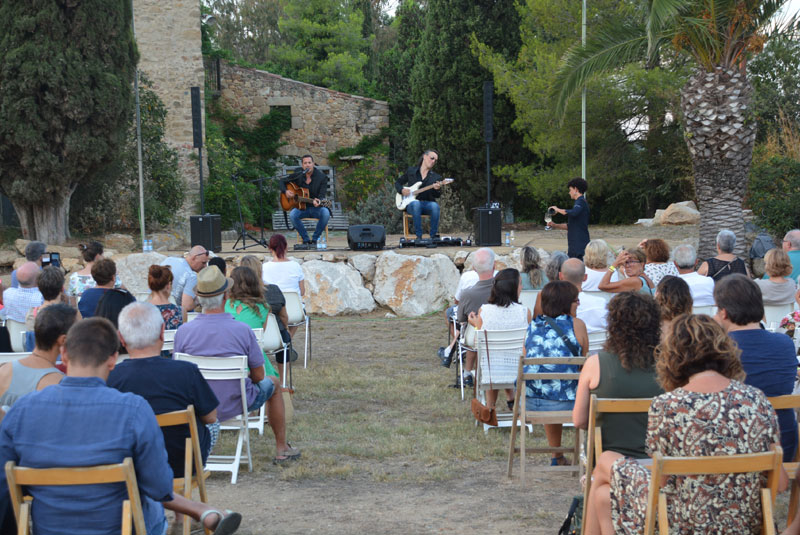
577	225
316	183
425	202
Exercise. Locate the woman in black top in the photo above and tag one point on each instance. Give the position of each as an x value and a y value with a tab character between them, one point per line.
577	225
725	262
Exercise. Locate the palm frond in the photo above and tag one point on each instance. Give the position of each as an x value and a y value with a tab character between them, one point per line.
662	14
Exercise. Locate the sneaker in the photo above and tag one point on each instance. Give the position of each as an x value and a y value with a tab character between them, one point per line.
468	380
447	359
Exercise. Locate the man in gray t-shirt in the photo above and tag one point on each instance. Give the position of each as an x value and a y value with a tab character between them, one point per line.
184	276
473	298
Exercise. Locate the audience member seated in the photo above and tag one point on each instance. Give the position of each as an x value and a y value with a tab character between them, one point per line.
725	263
159	280
553	266
104	273
635	281
216	334
80	280
17	301
702	287
673	298
533	277
83	422
555	333
275	300
473	298
246	303
706	410
184	271
596	260
111	304
167	385
778	288
220	263
34	252
591	309
283	272
625	368
38	370
51	285
791	245
769	359
657	260
502	312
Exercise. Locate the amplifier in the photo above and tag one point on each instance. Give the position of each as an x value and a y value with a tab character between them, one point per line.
362	237
206	231
487	226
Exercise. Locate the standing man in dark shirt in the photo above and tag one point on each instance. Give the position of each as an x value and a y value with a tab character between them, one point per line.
577	225
425	202
316	182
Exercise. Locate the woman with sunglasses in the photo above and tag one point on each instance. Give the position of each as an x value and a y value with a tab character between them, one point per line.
631	265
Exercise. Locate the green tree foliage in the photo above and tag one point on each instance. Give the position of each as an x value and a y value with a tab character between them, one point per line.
447	94
775	75
246	29
66	73
774	194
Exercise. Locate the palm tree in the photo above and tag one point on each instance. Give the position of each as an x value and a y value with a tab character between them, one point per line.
719	36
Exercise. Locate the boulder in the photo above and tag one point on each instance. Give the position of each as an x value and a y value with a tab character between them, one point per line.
65	252
18	262
167	241
681	213
657	217
365	264
414	285
71	264
334	288
328	257
132	270
120	242
19	245
647	222
503	261
459	258
7	258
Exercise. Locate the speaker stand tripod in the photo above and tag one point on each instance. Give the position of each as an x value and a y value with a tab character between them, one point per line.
243	235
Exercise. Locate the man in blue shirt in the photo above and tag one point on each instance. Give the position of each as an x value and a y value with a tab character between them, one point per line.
791	244
768	359
577	225
82	422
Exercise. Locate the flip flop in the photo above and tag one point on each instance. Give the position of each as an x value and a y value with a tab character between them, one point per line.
228	522
289	455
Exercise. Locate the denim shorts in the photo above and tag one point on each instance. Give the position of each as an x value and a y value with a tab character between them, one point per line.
539	404
265	390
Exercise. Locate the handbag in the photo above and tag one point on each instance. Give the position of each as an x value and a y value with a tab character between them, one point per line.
572	347
482	413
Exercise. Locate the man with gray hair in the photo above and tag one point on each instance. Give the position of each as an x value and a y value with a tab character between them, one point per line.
216	334
167	385
701	287
473	298
791	244
18	301
34	252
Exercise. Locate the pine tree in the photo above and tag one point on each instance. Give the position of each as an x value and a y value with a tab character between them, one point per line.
66	73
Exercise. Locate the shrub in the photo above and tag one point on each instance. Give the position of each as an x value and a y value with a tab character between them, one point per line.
379	209
774	194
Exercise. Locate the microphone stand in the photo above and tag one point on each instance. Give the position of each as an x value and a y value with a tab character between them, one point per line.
243	235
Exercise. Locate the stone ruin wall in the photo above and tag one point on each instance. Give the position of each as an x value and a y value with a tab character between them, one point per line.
323	120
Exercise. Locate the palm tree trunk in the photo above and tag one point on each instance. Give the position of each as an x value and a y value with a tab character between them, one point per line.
720	133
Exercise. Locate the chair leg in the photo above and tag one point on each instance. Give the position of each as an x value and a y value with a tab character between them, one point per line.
794	497
237	457
307	356
460	371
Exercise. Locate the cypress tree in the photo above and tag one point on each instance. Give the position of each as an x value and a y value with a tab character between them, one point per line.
66	73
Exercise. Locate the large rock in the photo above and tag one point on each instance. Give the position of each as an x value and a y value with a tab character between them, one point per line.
167	241
335	288
414	285
120	242
681	213
7	258
132	270
658	215
365	264
459	258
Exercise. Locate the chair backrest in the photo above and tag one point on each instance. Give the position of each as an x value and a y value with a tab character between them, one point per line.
11	357
528	298
169	340
769	462
561	376
221	369
258	332
609	405
294	308
193	455
597	339
190	316
502	347
774	313
605	295
708	310
16	332
271	340
88	475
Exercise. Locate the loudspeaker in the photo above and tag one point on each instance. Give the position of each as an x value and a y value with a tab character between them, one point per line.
486	223
361	237
197	123
488	90
206	231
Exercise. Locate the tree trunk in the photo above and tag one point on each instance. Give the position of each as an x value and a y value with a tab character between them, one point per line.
720	134
45	223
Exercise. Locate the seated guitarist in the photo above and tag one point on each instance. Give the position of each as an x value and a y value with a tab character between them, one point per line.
316	182
425	203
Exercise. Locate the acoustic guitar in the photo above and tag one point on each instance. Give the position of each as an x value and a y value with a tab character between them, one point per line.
401	201
301	198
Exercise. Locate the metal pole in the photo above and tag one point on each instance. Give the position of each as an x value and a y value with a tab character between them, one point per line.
138	137
583	98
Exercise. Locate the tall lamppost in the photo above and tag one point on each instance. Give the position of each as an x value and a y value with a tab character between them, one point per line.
583	98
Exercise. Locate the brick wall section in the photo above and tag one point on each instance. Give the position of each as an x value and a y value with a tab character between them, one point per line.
323	120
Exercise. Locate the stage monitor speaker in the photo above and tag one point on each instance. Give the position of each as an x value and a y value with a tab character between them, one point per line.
487	226
197	124
206	231
360	237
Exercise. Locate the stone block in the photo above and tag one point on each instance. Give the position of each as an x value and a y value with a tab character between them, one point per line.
414	285
132	270
365	264
7	258
335	288
280	101
120	242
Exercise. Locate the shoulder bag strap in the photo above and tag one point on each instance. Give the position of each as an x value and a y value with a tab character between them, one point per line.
727	265
550	321
488	361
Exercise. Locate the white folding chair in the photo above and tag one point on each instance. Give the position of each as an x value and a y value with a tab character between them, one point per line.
501	357
297	316
227	369
528	298
16	331
708	310
169	340
272	343
466	342
596	340
605	295
11	357
774	314
190	316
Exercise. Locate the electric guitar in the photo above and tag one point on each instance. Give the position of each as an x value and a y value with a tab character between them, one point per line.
401	201
300	199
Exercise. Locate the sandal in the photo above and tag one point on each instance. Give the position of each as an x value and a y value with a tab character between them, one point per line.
285	456
228	522
559	461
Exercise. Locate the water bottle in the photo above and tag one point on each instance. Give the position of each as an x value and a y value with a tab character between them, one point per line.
319	245
324	244
512	238
149	246
508	240
144	246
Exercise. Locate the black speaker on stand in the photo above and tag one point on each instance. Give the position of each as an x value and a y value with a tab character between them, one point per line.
206	231
486	224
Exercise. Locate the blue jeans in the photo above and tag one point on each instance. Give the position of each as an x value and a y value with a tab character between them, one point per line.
540	404
417	209
322	215
265	390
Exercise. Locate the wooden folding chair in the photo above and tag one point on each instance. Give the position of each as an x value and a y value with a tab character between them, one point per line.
790	401
193	459
226	369
594	439
297	316
493	353
769	462
522	416
86	475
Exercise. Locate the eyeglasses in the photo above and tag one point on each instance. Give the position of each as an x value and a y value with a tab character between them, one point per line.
432	158
632	262
202	254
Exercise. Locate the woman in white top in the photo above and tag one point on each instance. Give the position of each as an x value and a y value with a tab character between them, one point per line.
286	274
777	289
595	257
502	312
82	280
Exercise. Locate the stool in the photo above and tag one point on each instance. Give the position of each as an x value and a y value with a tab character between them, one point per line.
408	217
300	240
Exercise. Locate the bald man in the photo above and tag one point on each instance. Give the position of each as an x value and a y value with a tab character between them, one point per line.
18	301
184	273
591	309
